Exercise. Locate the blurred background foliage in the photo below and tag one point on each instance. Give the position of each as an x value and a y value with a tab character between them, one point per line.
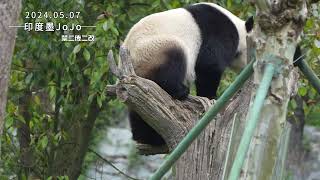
57	106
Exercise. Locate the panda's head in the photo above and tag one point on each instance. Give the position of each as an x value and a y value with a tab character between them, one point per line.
244	29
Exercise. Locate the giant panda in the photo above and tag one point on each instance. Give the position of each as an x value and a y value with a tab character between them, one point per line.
177	47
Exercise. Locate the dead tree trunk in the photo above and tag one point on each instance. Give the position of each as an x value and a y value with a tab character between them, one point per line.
205	158
9	13
173	119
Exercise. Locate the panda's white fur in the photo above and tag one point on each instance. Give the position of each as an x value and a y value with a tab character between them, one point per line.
175	36
174	27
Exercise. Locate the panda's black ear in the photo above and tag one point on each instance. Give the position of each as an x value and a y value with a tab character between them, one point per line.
249	24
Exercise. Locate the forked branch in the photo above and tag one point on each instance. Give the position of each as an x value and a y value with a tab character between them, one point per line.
171	118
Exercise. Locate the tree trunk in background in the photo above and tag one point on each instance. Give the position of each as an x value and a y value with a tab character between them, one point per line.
23	133
70	153
296	152
9	13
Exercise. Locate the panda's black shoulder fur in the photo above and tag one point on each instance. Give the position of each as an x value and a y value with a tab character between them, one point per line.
219	35
220	41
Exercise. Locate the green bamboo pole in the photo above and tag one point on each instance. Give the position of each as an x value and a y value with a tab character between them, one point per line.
232	136
203	122
279	173
309	73
252	121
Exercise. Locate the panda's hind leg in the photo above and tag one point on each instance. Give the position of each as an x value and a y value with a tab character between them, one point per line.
166	66
170	74
142	132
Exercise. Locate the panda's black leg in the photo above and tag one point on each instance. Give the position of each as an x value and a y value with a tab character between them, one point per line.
142	132
171	74
207	82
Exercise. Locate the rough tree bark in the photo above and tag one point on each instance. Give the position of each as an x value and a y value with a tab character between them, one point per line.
9	13
278	27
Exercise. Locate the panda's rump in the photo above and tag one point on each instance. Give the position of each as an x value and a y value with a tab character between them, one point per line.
162	60
160	32
152	52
